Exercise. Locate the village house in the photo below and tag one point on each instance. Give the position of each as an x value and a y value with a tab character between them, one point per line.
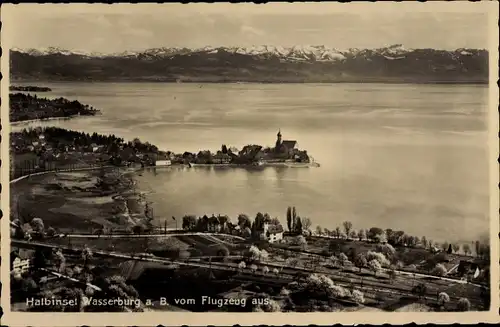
274	233
217	224
221	158
162	163
271	232
21	260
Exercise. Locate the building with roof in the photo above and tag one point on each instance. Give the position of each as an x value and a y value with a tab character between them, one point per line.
273	232
285	146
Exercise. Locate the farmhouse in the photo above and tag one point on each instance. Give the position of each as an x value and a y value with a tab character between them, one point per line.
273	233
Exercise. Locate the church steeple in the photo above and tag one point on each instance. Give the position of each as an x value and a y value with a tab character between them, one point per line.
278	140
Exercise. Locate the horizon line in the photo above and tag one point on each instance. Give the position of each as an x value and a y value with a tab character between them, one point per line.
56	48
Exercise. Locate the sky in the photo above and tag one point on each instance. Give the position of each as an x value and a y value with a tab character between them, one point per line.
116	28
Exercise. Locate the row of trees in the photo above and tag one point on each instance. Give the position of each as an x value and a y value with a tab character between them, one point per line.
222	223
295	223
400	238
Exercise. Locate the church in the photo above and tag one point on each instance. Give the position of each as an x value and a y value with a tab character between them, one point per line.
285	146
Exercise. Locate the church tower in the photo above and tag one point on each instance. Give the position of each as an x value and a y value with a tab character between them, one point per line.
278	140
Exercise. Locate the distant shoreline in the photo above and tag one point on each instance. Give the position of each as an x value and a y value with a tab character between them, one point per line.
236	81
20	122
29	88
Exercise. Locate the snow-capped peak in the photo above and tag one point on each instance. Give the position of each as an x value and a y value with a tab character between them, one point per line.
306	53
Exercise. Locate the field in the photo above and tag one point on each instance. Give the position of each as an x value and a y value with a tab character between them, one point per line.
78	201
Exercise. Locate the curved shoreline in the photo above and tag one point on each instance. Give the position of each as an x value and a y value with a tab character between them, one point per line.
20	122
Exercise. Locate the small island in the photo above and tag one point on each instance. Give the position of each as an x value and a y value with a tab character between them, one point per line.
30	107
29	88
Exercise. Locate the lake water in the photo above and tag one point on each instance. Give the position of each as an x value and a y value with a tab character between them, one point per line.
406	157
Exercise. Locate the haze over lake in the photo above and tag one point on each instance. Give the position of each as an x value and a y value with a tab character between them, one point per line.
409	157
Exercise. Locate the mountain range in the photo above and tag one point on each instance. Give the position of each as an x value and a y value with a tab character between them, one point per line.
271	64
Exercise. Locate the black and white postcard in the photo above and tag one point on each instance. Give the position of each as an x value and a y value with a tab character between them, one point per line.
215	164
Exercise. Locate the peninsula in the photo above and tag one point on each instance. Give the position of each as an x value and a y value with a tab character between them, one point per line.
30	107
41	149
29	88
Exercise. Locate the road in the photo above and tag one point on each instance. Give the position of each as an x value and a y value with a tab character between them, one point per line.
148	235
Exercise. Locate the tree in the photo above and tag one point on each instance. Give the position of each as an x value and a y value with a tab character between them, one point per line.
51	232
392	274
254	253
294	218
337	232
456	247
343	259
466	249
381	238
477	246
358	296
334	247
443	298
450	249
301	240
389	233
87	255
370	255
386	249
60	260
319	230
222	251
306	223
298	226
263	255
360	261
398	237
424	242
439	270
353	235
444	246
37	224
258	223
189	222
463	304
374	266
247	232
347	227
420	290
292	262
244	221
373	233
333	259
289	218
361	234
